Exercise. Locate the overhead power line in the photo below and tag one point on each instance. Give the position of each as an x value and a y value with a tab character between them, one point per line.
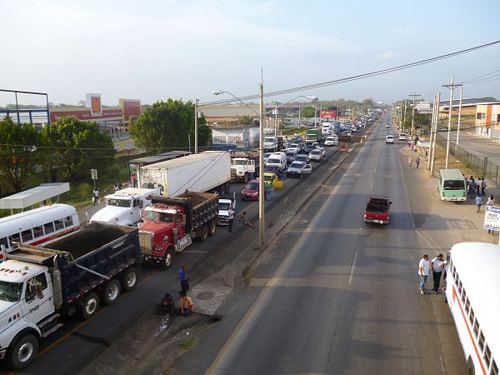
357	77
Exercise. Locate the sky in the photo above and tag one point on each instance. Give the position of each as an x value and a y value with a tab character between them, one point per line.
157	49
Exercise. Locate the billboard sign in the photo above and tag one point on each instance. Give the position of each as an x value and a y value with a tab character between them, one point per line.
94	102
328	113
492	218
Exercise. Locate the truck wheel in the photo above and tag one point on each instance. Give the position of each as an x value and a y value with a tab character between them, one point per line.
129	279
90	305
23	352
212	227
112	292
204	233
167	260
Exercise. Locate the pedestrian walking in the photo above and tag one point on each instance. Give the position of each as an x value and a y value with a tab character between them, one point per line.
478	186
423	272
95	197
244	220
483	187
478	201
417	160
231	219
183	279
410	161
437	270
491	202
472	186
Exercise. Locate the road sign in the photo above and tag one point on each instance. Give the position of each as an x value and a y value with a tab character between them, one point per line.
93	174
492	218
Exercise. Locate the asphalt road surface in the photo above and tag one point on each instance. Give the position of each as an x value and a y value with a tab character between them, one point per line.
345	298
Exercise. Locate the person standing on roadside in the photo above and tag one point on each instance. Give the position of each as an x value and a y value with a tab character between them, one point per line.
491	202
231	219
478	201
417	160
483	187
183	279
410	161
472	186
478	186
437	270
423	272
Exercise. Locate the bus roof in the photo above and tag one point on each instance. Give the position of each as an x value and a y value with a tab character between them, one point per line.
451	174
477	266
38	216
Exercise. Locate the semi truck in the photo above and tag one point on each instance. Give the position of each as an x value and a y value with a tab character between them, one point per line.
313	135
124	207
206	171
171	224
38	286
244	166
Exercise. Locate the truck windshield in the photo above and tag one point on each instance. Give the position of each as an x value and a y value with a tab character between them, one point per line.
10	292
119	202
240	162
269	140
454	185
164	217
223	206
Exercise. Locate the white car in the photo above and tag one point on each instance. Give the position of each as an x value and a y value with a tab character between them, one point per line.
316	155
295	146
402	136
387	125
389	139
331	141
323	151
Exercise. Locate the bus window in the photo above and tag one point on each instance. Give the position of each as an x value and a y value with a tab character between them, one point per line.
68	221
59	224
476	328
454	274
48	227
5	242
471	316
38	231
494	368
27	235
15	238
481	341
467	306
464	295
487	356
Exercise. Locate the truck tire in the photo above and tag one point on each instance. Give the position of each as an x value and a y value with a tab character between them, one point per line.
167	259
90	305
112	292
23	352
212	227
129	279
203	233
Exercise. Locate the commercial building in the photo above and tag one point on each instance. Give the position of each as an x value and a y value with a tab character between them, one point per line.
488	120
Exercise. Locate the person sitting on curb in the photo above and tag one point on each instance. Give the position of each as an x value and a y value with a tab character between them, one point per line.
186	304
244	220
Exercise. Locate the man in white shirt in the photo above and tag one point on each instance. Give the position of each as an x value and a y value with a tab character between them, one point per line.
423	271
437	270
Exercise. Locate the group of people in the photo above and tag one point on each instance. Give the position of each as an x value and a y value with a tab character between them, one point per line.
186	304
476	187
438	265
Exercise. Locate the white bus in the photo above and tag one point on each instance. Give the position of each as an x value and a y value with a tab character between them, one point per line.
473	294
38	226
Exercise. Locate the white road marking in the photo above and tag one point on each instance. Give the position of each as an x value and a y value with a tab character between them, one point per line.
427	241
371	186
351	274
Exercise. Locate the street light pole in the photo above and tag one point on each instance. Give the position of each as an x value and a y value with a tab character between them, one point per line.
460	113
196	125
261	166
413	113
452	87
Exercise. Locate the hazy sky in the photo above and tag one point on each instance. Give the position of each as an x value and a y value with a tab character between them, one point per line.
155	49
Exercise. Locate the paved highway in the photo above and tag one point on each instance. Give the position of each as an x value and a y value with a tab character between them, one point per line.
345	298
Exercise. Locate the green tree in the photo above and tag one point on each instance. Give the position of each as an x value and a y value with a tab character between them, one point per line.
167	125
246	120
73	147
18	153
308	112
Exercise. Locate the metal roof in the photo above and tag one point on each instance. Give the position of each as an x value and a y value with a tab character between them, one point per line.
30	197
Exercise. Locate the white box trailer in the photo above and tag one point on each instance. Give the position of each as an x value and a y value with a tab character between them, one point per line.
206	171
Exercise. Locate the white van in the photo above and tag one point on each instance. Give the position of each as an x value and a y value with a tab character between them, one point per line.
278	159
332	140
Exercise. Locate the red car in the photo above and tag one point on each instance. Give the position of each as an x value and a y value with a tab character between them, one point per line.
377	210
251	191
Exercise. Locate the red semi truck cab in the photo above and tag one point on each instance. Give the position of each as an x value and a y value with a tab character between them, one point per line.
377	210
171	224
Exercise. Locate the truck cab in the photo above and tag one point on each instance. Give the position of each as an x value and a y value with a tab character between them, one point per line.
124	207
242	169
377	210
270	144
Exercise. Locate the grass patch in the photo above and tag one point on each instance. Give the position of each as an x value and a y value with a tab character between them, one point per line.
294	131
188	343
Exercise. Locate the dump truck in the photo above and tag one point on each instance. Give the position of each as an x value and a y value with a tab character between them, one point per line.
39	286
171	224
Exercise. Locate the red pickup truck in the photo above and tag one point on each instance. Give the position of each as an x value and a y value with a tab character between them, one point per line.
377	210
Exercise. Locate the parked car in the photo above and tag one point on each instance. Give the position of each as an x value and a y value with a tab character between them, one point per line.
402	136
377	210
316	155
387	125
298	169
250	191
389	139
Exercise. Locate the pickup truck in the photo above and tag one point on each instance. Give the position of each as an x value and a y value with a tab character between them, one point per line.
171	224
377	210
226	202
40	285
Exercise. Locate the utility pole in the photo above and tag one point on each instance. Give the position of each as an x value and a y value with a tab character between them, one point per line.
460	112
404	118
261	163
452	87
195	126
413	113
436	120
